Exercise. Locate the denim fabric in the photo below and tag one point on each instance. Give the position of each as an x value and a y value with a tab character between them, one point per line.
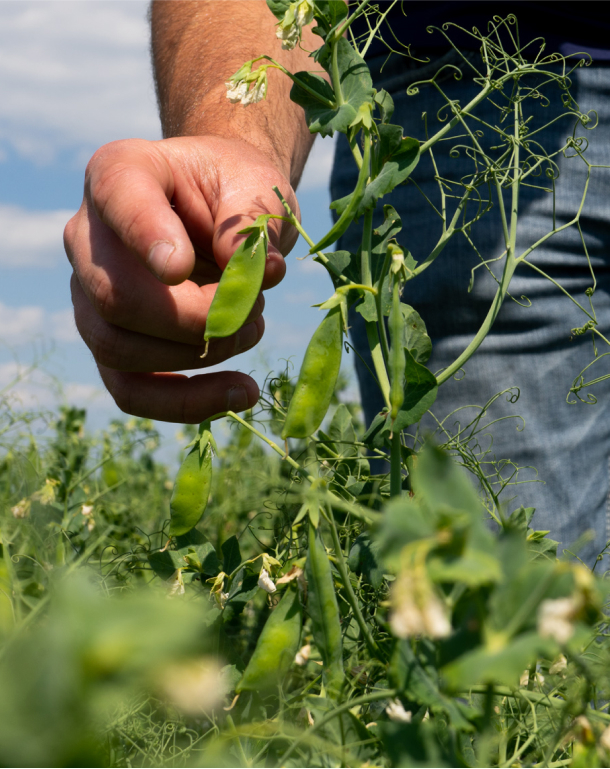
529	348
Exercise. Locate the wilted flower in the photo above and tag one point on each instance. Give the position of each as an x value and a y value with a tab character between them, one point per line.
396	712
294	573
559	665
525	678
416	609
556	618
238	86
21	509
302	655
298	15
194	686
604	740
176	583
46	495
265	581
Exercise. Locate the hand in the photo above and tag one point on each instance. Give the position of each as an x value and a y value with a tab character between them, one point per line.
158	224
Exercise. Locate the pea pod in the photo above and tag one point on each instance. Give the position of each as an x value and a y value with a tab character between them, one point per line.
276	647
397	355
192	485
324	612
317	379
238	289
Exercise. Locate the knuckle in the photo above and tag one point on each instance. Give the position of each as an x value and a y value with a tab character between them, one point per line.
104	341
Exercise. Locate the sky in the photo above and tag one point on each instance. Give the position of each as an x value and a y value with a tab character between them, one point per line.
74	75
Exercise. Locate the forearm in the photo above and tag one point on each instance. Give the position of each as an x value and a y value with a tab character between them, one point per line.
197	45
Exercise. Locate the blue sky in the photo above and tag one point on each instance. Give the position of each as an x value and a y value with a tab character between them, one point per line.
75	74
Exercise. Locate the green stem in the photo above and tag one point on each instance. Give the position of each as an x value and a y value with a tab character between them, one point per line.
350	595
240	748
395	466
383	694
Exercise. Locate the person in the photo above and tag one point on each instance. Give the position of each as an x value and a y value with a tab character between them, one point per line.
159	221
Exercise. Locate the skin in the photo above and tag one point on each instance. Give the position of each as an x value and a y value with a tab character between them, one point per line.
142	311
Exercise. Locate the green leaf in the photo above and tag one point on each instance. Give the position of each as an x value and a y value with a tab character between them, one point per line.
231	555
341	263
345	730
328	14
500	666
415	683
473	568
416	340
390	138
356	87
444	485
367	307
421	389
278	7
363	559
385	105
199	557
395	171
243	588
382	235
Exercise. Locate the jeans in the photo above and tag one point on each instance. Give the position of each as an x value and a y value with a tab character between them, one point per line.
563	450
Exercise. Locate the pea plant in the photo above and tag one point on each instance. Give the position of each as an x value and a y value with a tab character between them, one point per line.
421	621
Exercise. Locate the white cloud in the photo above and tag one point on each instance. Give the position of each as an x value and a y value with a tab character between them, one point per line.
319	165
31	238
74	75
20	325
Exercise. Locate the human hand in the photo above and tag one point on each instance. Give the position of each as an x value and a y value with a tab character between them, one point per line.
158	223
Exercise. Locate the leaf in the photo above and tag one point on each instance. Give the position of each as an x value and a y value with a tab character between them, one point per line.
382	235
395	171
243	588
345	730
420	393
200	557
385	105
231	555
473	568
502	666
356	87
329	13
341	263
415	683
278	7
367	307
443	484
416	338
390	138
363	560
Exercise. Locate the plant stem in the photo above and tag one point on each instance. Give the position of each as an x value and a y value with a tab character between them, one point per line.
357	701
351	596
395	466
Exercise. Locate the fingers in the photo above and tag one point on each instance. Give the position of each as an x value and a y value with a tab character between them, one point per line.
125	350
177	398
128	187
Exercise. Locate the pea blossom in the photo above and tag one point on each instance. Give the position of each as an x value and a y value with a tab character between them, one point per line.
298	15
247	87
396	712
265	581
556	618
416	609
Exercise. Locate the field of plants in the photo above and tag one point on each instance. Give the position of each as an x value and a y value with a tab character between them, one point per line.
314	591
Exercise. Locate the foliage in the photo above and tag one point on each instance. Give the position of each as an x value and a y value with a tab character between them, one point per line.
358	596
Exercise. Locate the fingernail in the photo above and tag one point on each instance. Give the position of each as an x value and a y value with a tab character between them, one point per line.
237	398
159	256
247	337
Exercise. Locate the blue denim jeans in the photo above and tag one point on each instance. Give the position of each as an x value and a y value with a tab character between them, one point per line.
530	347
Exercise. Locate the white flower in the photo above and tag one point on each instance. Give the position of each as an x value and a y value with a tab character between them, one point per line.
604	740
21	509
222	599
176	583
559	665
396	712
236	92
298	15
194	686
265	581
258	92
525	678
302	655
86	509
416	609
555	618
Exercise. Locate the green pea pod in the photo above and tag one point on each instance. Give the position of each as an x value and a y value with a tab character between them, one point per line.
191	491
324	612
238	289
317	379
397	355
276	647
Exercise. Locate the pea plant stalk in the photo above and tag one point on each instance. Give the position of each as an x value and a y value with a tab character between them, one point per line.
413	536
